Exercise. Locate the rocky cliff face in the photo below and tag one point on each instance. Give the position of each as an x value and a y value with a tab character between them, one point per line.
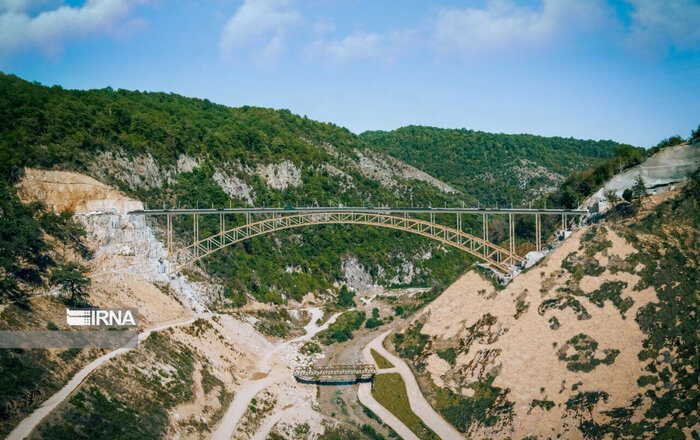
128	257
670	165
68	191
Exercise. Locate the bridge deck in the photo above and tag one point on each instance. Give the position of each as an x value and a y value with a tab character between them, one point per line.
417	210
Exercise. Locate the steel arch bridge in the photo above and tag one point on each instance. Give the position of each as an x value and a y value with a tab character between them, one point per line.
503	260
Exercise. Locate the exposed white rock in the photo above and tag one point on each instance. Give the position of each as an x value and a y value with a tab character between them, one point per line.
670	165
384	168
406	273
127	247
357	278
138	172
533	257
525	170
66	190
336	172
280	176
186	164
233	186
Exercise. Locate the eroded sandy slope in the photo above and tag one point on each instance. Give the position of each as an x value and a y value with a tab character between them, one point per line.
523	344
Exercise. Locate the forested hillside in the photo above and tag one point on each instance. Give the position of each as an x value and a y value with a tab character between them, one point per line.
168	150
487	167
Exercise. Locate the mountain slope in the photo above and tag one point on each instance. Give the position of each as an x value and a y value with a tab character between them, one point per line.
487	167
599	339
167	150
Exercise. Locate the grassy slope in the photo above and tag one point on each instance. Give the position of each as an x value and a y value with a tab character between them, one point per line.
380	360
390	391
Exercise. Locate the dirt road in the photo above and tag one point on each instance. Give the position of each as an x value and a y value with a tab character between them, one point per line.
416	399
269	370
30	422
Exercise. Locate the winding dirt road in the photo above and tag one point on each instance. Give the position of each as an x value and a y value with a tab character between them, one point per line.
26	426
419	405
271	371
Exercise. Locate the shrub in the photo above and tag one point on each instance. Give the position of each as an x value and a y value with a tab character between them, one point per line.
345	298
449	355
341	330
373	323
584	359
310	348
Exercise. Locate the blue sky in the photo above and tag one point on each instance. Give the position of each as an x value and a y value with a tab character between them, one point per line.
626	70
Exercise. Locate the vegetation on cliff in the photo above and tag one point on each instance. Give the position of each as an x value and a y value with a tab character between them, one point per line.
491	168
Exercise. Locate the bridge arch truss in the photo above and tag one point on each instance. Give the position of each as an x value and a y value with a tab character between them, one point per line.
504	260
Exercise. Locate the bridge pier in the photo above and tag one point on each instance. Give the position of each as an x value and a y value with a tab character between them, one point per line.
511	237
538	233
196	234
459	227
486	230
169	239
563	222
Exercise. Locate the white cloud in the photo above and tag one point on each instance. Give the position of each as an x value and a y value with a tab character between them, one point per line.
259	27
361	45
656	26
323	26
48	29
502	25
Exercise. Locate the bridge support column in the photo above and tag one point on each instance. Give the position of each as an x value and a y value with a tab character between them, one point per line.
169	238
511	237
563	222
538	232
459	227
486	231
196	235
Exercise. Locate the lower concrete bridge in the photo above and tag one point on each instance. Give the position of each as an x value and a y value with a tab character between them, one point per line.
335	373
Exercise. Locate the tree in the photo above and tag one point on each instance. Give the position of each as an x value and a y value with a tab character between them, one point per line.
23	256
11	292
627	195
345	298
611	196
639	189
695	135
71	277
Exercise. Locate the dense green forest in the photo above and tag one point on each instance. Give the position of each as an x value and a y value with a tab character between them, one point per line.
490	168
90	131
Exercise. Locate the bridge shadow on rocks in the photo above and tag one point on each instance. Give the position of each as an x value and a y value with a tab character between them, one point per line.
334	382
